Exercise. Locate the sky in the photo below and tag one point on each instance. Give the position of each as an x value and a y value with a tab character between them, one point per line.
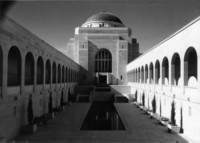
151	21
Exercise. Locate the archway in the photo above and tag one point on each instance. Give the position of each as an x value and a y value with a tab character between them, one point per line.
29	69
151	78
190	67
63	74
142	74
48	72
14	67
40	70
176	69
165	71
59	74
103	61
1	66
157	72
54	73
66	75
146	73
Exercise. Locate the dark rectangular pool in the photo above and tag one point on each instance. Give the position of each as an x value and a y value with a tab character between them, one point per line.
102	116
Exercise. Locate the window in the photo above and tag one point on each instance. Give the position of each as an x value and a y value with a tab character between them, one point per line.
103	61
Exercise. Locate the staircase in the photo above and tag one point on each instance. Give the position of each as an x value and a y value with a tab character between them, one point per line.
102	93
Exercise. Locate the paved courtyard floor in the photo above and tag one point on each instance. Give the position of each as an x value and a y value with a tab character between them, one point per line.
65	127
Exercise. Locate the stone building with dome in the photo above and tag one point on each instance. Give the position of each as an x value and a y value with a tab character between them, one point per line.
103	45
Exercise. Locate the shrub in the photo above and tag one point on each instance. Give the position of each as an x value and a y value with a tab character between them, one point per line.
154	104
173	121
30	110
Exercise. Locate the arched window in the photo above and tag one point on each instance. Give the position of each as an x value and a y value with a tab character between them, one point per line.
103	61
54	73
59	74
139	75
40	70
165	71
151	73
146	73
14	67
29	69
69	75
142	74
66	75
63	74
48	72
1	66
190	67
136	76
157	72
175	69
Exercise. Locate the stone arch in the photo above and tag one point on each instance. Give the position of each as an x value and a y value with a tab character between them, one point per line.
139	74
48	72
59	73
190	67
40	70
66	74
54	73
165	71
14	67
136	75
103	61
146	73
157	72
142	74
1	66
175	69
151	73
63	74
29	69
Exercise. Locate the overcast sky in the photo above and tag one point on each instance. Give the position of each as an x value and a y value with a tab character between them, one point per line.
151	21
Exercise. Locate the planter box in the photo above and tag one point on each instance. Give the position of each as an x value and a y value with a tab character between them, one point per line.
50	115
164	121
173	128
30	128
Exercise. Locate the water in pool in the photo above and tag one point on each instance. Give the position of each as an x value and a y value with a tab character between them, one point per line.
102	116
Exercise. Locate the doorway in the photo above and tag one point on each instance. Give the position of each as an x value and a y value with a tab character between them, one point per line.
103	79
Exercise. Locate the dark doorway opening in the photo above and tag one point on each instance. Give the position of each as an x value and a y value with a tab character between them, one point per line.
102	79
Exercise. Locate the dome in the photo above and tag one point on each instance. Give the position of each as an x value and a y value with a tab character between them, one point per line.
103	19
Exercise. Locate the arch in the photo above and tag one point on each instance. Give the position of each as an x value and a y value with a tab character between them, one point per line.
14	67
59	73
63	74
29	69
48	72
146	73
40	70
54	73
139	74
69	75
151	73
136	75
190	67
1	66
165	71
175	69
142	74
157	72
103	61
66	74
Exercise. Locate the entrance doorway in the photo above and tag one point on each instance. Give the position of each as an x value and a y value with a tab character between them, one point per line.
102	79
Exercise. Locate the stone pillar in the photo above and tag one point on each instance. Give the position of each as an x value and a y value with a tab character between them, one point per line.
170	75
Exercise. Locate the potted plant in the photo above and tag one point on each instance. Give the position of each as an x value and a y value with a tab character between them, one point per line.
31	127
51	114
164	121
153	106
62	102
172	127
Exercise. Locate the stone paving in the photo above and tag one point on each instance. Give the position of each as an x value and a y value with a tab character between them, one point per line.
140	128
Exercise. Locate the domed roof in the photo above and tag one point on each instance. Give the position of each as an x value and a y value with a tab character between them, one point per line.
106	17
